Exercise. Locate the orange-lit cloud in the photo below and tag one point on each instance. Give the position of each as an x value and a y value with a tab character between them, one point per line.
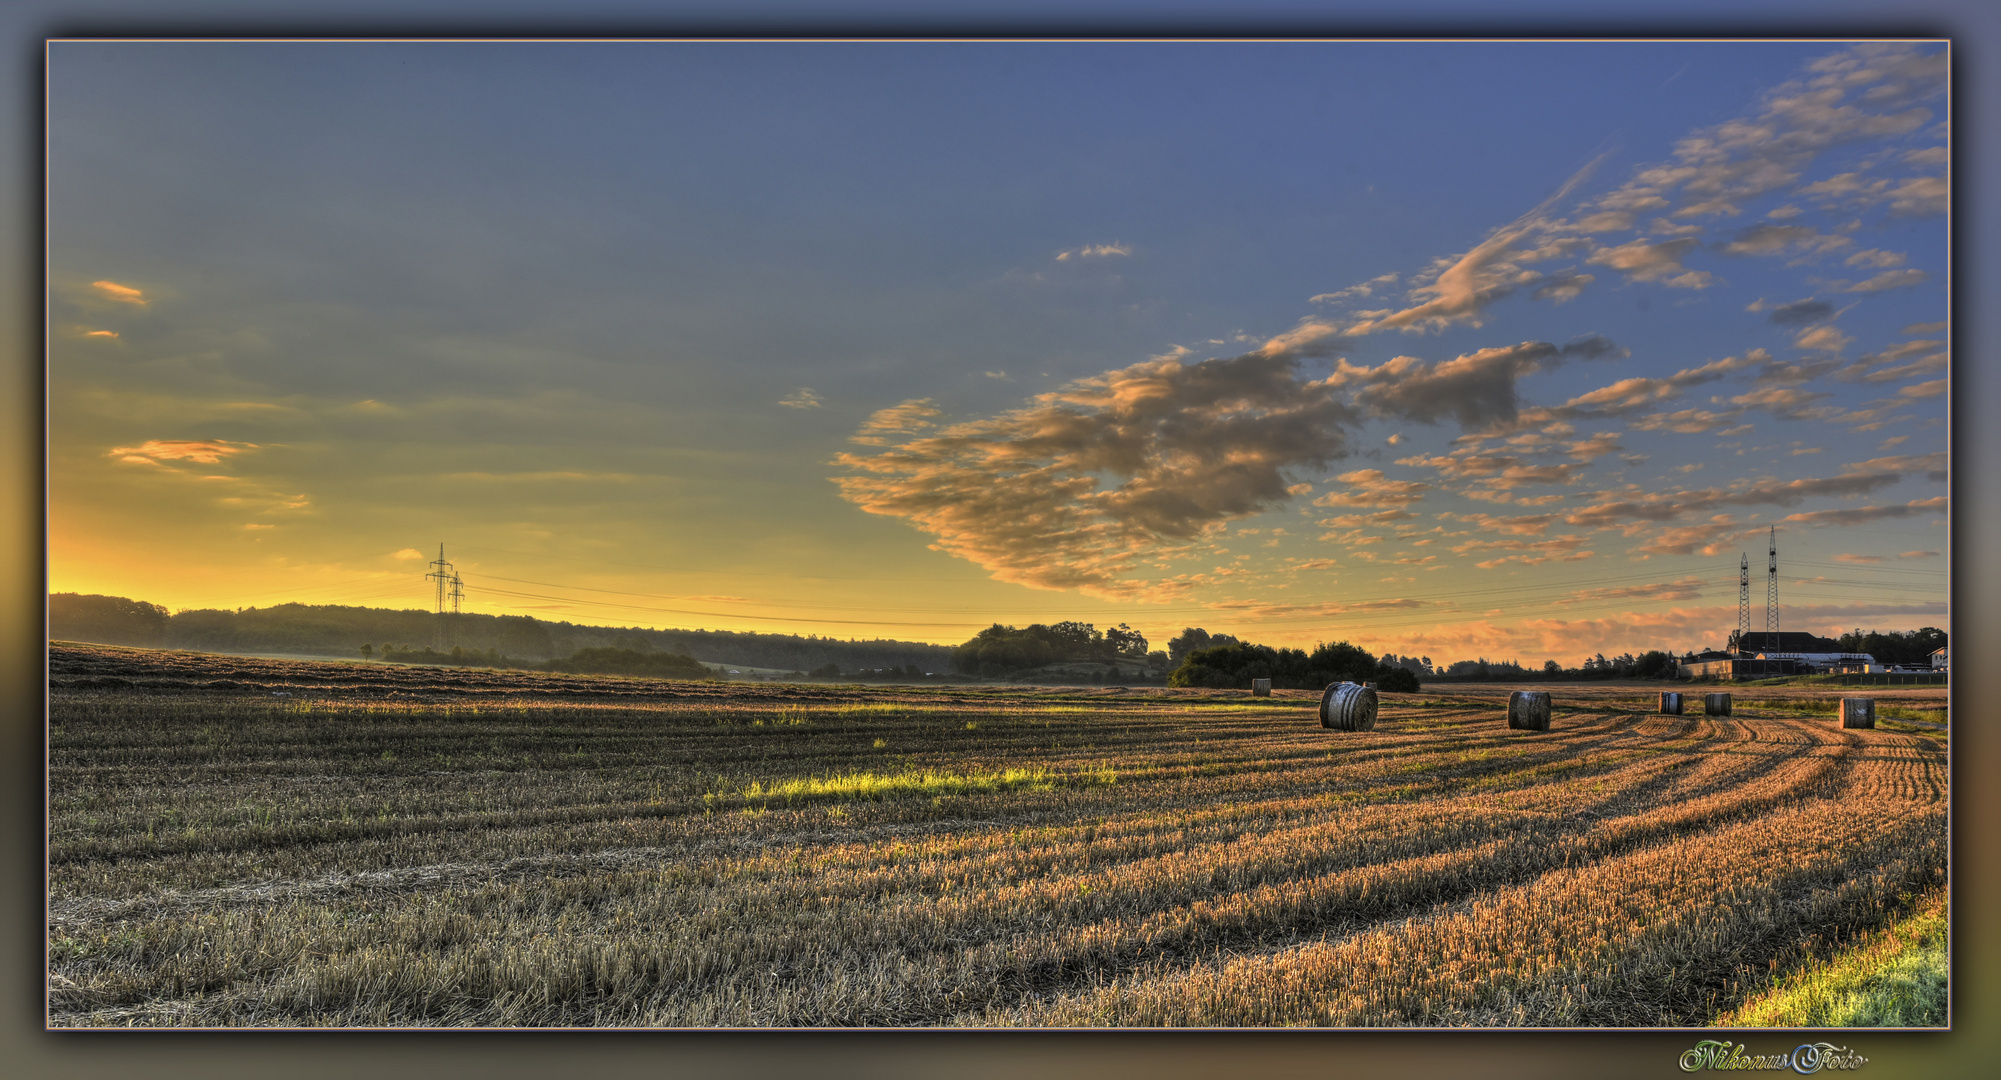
206	452
123	293
101	333
407	554
1662	262
1370	488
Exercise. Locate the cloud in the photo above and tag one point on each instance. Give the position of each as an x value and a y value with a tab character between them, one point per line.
1465	286
205	452
1866	514
803	398
1875	258
1785	402
1687	588
1708	538
1800	312
407	554
1094	251
1919	196
1688	421
1071	490
1515	525
1613	510
1924	365
1932	465
1822	338
1355	292
1563	288
1845	557
1662	262
1888	279
122	293
1917	555
1477	389
1925	328
1716	169
903	418
1801	240
1924	389
101	333
1370	488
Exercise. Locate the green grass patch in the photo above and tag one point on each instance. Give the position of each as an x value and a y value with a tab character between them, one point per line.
1898	979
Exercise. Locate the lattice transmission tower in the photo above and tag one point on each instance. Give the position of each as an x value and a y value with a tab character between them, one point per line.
447	585
1772	593
1743	601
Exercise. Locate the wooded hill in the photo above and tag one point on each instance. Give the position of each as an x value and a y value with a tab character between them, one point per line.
335	630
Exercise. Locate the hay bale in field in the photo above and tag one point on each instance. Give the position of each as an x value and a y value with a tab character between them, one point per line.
1345	706
1716	704
1528	710
1260	687
1858	712
1670	703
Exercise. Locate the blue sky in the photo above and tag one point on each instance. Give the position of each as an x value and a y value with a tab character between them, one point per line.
1466	348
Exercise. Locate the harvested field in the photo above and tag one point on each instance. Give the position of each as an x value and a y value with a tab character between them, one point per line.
237	842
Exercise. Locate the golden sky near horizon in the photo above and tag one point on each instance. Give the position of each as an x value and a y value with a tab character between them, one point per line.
749	337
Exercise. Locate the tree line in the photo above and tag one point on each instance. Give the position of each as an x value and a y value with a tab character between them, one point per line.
339	630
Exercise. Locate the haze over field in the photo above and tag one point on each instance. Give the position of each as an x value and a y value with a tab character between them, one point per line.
1445	349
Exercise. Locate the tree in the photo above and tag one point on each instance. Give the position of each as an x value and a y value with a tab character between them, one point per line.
1191	639
368	652
107	620
1125	641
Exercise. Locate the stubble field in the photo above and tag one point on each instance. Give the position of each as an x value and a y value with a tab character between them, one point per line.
238	842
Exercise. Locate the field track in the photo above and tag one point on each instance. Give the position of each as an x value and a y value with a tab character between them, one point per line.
242	842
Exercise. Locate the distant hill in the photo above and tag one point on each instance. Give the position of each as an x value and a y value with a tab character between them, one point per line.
336	630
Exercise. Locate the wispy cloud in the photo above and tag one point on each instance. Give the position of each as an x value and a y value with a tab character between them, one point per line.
803	398
1865	514
204	451
122	293
1094	251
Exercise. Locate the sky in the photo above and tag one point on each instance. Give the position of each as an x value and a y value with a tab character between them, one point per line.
1450	349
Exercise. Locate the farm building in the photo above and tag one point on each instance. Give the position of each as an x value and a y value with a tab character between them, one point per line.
1736	668
1939	657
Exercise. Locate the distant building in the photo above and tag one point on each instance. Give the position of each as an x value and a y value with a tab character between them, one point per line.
1939	658
1731	668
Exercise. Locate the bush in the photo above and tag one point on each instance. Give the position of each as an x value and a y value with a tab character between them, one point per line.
1397	680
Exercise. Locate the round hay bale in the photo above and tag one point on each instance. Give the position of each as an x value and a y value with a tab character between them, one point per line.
1345	706
1858	712
1716	704
1260	687
1670	703
1528	710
